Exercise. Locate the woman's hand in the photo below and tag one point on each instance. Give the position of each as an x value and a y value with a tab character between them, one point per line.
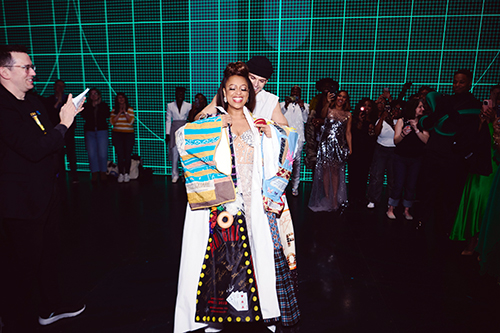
226	120
318	122
371	130
413	124
406	130
496	125
266	129
486	113
329	97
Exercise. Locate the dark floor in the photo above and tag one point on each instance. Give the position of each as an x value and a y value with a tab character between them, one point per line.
358	271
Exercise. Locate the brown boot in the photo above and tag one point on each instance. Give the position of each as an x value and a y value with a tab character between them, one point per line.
103	177
95	177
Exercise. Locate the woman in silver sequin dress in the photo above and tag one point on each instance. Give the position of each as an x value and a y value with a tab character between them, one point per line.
329	189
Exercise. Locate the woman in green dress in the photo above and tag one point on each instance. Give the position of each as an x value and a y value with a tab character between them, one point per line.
489	236
475	196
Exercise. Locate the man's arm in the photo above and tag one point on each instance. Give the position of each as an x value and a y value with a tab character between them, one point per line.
278	117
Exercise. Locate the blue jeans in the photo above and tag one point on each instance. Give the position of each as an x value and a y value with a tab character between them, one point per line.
406	171
382	161
97	149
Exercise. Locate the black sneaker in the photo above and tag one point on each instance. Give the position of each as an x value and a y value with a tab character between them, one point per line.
60	314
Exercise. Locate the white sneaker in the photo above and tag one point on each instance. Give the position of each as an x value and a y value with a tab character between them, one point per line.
57	315
121	178
370	205
126	178
175	179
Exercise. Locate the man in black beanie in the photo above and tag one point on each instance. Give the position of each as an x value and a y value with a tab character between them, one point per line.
267	104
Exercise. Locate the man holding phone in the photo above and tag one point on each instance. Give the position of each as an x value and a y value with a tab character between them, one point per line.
29	204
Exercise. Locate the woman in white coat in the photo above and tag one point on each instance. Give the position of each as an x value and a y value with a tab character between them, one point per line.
233	267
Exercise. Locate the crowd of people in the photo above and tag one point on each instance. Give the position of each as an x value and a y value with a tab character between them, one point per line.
238	154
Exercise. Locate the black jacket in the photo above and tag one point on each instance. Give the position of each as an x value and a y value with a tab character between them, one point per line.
95	120
470	143
28	156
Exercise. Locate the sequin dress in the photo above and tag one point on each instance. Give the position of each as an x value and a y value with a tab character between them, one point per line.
329	190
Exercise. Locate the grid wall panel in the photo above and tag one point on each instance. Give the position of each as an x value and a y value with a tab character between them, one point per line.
147	48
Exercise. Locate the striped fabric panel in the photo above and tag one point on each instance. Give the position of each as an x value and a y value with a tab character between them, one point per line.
205	185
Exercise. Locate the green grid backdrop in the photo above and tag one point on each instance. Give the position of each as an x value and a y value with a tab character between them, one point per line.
146	48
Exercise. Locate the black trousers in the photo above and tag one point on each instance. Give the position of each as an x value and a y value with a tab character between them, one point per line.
443	183
124	144
32	263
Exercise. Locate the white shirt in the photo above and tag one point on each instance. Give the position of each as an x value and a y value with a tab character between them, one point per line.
174	114
386	137
296	117
265	102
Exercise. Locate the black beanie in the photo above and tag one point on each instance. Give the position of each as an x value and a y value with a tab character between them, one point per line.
261	66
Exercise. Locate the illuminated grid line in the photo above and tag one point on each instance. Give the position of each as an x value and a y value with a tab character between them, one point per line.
259	20
164	101
29	29
282	52
311	18
55	36
5	22
138	108
57	50
342	44
77	9
409	42
442	44
477	44
374	50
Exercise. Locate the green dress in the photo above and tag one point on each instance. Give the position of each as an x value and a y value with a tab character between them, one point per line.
488	244
473	203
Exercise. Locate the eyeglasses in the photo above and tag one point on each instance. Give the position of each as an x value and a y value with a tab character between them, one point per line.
25	67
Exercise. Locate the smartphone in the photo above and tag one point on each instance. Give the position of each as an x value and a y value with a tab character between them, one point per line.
487	103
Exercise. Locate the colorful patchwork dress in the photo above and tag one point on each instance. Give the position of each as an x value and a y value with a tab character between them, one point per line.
233	267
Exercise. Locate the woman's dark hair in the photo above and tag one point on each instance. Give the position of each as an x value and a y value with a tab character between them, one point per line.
202	99
410	108
238	68
96	90
369	114
127	105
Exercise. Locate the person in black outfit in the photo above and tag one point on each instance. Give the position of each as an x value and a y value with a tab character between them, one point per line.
53	106
455	147
29	204
410	142
363	144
